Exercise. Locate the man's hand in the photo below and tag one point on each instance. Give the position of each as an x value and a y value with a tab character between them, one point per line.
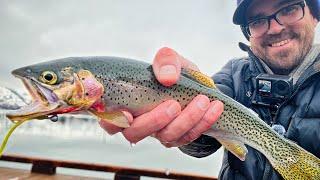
171	126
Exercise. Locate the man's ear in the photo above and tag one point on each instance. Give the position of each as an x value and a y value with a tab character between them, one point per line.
244	31
315	22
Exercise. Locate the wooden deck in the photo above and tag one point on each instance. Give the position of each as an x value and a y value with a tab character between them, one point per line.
46	169
18	174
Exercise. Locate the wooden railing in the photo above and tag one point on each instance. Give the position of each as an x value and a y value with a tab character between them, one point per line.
48	166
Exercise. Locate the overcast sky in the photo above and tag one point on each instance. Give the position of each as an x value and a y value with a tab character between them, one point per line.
35	31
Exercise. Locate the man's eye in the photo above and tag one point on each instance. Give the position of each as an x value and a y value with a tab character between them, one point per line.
289	10
258	23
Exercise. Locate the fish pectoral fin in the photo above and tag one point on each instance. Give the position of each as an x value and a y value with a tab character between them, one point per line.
235	147
117	118
199	77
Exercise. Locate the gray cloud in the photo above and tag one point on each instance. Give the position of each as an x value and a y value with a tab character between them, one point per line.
34	31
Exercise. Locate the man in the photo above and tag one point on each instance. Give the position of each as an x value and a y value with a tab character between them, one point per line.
281	34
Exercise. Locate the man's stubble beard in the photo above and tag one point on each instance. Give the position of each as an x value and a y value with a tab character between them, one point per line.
296	56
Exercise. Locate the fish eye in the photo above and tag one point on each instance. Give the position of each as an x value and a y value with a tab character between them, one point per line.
48	77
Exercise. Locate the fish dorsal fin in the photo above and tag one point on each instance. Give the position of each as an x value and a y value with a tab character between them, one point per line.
235	147
199	77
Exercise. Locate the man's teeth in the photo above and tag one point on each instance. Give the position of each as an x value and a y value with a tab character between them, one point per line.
281	43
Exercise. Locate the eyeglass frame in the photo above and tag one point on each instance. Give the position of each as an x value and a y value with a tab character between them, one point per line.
245	27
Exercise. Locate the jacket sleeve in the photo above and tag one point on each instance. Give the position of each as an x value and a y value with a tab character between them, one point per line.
206	145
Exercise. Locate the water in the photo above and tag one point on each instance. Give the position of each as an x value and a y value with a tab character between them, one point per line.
79	138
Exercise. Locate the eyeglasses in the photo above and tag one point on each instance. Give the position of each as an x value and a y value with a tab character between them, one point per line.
285	16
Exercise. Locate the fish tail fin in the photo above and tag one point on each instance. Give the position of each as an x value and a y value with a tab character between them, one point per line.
7	136
306	166
309	166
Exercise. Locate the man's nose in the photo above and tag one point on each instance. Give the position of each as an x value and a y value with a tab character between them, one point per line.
275	27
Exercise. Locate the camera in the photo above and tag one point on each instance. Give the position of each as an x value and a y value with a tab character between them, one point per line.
272	89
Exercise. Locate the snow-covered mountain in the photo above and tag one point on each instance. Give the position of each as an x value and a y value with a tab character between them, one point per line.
11	99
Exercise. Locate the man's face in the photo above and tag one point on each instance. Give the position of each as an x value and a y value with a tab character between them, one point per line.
282	47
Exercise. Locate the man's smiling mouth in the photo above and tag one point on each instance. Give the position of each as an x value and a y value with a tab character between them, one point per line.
280	43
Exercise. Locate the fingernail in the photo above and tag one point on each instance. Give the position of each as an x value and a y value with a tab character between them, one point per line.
168	70
173	110
166	51
202	103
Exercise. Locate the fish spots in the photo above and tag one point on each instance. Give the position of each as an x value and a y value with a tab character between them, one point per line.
132	85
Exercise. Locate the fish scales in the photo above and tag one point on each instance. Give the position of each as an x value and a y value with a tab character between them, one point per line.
141	83
131	85
253	131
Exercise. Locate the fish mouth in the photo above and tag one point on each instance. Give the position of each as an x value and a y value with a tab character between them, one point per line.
44	102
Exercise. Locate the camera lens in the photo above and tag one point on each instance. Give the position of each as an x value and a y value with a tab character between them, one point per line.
282	88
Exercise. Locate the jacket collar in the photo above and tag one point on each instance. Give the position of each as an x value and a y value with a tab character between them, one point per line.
308	61
255	65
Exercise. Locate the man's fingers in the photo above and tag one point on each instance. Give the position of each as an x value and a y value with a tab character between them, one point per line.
151	122
166	66
210	117
188	118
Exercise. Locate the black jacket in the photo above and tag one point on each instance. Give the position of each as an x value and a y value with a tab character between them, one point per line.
300	115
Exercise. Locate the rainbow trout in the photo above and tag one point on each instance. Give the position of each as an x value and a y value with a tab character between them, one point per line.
105	86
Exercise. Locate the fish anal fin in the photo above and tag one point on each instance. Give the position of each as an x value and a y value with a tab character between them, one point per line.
235	147
117	118
200	77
